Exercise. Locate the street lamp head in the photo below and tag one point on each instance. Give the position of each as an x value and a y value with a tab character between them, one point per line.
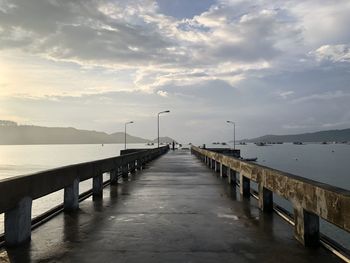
166	111
129	122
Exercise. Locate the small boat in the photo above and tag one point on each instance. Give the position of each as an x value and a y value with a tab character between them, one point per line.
298	143
223	143
250	159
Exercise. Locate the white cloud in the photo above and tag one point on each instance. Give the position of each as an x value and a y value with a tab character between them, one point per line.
286	94
333	53
162	93
330	95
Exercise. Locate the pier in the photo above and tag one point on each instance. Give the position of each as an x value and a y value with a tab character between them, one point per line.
170	206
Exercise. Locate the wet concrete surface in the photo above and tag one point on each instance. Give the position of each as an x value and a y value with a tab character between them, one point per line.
176	210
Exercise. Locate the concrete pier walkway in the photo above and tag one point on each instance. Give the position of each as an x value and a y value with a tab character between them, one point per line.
176	210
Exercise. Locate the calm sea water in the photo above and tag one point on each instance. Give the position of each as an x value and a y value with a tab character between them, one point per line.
324	163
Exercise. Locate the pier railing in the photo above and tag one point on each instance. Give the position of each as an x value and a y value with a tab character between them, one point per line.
310	199
17	193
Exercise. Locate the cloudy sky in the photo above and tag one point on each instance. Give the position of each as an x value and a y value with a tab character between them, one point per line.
271	66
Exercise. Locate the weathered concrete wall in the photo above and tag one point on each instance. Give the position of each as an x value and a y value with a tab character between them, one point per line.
310	198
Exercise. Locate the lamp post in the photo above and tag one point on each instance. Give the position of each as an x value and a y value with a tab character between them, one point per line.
125	133
166	111
234	133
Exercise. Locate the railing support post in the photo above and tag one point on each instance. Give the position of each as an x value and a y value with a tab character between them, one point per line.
132	167
138	165
114	177
217	166
244	186
125	171
18	223
265	199
71	196
307	227
97	186
232	176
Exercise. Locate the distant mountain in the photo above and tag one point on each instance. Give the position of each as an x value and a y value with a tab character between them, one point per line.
11	133
320	136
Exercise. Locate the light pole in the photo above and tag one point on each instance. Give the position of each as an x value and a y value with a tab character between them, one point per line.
166	111
125	133
234	133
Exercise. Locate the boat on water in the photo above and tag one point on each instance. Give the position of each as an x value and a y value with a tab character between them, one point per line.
298	143
250	159
260	144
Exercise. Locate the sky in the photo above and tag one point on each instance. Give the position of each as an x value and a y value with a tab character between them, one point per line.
273	67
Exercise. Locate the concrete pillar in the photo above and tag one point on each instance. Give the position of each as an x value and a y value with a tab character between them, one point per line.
138	165
97	186
71	196
244	186
132	167
217	166
307	227
125	171
265	199
114	177
232	176
221	170
18	223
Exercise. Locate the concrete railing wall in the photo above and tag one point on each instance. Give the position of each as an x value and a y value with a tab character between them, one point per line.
310	199
17	193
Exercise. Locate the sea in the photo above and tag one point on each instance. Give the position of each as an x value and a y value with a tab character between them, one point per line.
327	163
